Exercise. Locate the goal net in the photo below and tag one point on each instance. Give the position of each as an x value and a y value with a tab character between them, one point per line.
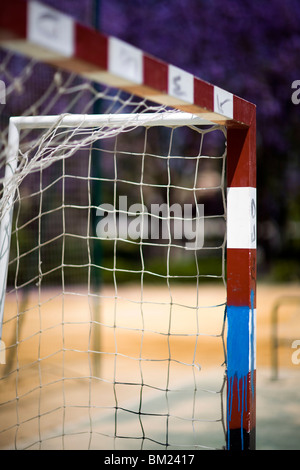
113	267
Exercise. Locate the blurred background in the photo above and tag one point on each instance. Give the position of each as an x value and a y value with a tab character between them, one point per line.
251	49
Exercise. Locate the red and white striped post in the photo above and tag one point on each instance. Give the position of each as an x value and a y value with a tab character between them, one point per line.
241	287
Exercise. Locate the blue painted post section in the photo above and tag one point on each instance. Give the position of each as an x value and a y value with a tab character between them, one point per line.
241	371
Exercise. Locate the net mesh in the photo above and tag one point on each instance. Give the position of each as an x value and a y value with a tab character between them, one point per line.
114	338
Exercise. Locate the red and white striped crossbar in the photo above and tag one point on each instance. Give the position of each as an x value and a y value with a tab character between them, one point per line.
41	32
52	37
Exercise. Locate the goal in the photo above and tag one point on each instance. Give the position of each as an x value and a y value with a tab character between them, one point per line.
127	246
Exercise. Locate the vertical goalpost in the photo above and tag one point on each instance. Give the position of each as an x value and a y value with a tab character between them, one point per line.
159	134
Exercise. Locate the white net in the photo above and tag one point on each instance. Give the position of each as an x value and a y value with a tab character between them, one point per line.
113	324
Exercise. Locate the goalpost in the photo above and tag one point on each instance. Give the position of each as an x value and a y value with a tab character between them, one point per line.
127	246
